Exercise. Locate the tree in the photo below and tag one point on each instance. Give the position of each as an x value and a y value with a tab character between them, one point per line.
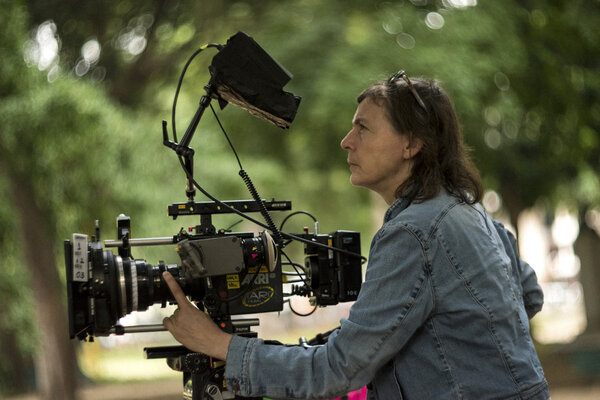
61	146
16	341
522	74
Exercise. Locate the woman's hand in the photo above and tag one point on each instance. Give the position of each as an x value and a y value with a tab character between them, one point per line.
194	328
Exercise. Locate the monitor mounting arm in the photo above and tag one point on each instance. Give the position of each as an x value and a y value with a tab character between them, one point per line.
183	148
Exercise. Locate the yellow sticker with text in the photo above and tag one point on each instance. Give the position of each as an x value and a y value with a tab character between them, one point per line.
263	270
233	281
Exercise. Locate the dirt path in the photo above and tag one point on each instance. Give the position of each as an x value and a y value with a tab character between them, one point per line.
154	390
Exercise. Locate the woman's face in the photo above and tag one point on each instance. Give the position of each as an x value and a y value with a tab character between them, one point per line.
379	156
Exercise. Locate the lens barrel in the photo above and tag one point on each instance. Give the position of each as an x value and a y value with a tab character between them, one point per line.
121	286
140	284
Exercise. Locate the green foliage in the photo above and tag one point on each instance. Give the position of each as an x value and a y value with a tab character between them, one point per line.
537	112
565	54
523	75
56	135
13	25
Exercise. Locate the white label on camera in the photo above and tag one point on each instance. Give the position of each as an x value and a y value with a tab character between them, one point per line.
80	257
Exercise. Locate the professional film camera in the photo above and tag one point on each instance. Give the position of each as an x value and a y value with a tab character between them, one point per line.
225	273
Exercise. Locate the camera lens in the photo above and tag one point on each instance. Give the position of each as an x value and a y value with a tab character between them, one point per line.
134	285
259	251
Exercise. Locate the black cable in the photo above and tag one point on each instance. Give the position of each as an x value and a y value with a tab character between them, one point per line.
296	213
300	314
291	215
230	227
187	64
196	185
263	209
262	225
246	290
251	188
297	265
226	137
293	264
214	199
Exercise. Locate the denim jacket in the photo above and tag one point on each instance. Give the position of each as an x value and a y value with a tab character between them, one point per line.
443	313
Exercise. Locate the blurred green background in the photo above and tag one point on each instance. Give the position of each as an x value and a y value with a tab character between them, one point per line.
84	86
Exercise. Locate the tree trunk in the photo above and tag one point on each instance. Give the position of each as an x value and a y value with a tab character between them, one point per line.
55	363
512	204
587	248
16	373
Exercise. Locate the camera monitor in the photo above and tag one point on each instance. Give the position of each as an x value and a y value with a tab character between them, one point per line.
244	74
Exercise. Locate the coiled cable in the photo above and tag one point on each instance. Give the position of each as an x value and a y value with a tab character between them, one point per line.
263	210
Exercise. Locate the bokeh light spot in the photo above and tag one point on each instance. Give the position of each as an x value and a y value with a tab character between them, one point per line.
434	20
492	201
405	41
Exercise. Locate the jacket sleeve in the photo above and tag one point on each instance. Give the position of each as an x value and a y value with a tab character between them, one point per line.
533	297
394	301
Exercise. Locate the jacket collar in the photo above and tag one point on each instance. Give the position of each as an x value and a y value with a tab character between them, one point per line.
396	208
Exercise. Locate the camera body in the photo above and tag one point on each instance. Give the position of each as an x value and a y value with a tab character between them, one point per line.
225	273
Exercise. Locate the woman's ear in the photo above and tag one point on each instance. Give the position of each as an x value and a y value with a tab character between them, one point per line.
413	147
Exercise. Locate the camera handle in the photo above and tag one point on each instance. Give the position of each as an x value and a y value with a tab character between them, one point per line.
200	373
203	376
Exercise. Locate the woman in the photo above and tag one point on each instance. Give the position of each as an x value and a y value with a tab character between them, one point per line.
443	312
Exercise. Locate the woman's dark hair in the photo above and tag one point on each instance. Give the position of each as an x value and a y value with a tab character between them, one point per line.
424	111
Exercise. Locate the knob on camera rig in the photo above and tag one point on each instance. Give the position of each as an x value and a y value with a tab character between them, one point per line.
224	273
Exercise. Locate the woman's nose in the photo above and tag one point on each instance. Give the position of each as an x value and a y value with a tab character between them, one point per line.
346	142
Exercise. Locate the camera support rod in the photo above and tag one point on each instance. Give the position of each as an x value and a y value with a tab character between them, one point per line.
120	330
158	241
182	148
187	152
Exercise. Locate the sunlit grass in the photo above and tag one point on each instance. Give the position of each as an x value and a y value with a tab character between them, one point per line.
120	364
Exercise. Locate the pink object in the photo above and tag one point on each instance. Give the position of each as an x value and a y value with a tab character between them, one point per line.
360	394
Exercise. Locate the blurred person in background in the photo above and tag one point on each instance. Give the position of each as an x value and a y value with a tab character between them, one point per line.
444	310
